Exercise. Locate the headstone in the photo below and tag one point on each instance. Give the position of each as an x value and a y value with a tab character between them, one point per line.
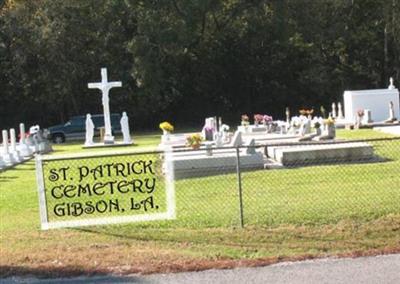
305	127
105	87
44	145
23	146
208	149
218	139
237	139
14	152
333	110
367	116
340	111
209	129
89	130
34	129
251	150
224	130
35	142
331	131
125	129
7	157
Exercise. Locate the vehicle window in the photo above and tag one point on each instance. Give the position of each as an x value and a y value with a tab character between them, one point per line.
77	121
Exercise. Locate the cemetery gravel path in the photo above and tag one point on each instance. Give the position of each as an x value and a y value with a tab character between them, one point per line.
378	269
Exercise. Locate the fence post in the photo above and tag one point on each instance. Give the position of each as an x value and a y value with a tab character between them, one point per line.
239	182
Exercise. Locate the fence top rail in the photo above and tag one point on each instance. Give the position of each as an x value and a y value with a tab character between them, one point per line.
157	152
96	155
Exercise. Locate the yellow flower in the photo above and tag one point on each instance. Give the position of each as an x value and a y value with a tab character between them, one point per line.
194	139
166	126
329	121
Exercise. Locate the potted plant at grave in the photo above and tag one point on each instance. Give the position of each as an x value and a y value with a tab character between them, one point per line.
194	141
167	128
330	126
258	118
245	120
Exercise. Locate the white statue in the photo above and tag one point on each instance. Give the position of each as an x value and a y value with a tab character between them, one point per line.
105	87
23	146
13	143
125	128
391	118
340	111
391	86
333	110
7	157
89	130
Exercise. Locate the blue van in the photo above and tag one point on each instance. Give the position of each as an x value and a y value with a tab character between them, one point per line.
75	128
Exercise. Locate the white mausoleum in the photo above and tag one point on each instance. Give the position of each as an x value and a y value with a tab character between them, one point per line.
377	101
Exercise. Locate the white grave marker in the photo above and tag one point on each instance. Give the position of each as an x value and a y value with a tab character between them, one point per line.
23	146
105	87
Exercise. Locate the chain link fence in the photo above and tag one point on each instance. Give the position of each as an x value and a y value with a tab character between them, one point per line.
259	185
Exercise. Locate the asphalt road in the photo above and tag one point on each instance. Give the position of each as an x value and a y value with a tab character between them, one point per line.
379	269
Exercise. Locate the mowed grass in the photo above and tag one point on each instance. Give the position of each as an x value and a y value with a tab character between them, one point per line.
295	213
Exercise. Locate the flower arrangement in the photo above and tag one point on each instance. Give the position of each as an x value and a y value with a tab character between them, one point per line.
360	112
267	119
166	126
258	118
329	121
245	120
306	112
194	140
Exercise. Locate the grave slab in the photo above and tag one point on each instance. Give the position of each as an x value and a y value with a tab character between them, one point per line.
321	153
198	163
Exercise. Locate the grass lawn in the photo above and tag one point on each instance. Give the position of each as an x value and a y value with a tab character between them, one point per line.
289	214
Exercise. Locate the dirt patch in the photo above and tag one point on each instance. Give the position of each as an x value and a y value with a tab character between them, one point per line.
64	268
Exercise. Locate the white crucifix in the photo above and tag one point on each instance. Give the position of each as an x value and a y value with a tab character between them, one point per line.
105	87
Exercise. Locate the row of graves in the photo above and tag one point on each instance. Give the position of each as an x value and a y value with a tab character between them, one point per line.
13	153
299	140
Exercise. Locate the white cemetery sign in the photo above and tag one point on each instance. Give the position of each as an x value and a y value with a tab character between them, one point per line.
105	87
99	189
376	101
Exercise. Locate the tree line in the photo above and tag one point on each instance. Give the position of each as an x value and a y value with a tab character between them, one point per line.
184	60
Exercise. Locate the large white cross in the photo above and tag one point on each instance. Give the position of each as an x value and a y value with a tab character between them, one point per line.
105	87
